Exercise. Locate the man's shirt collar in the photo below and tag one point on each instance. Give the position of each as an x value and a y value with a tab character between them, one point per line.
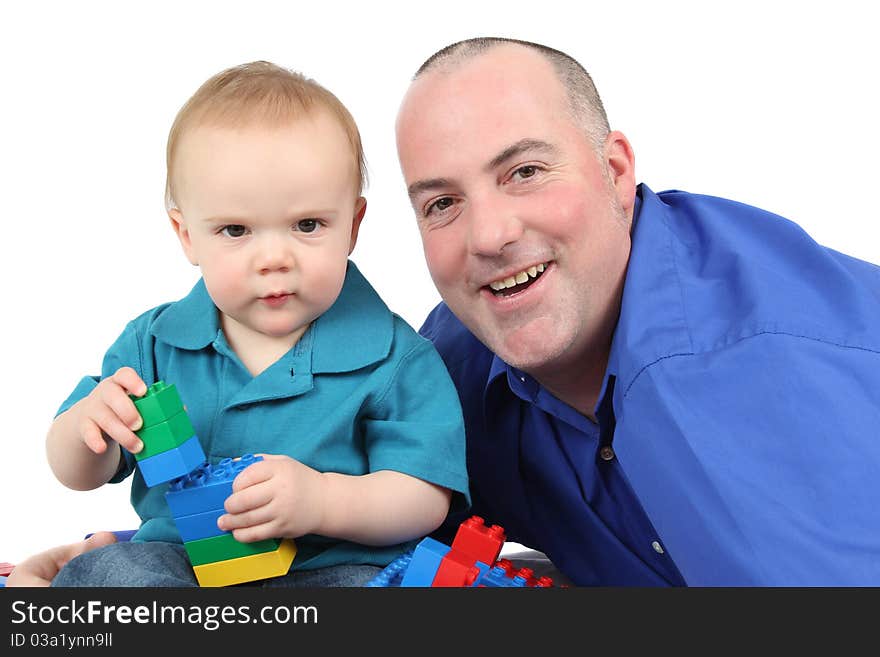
652	322
354	332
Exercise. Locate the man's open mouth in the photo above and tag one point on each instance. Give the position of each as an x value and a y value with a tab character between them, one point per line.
517	282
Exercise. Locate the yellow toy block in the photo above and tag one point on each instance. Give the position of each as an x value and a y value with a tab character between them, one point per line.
247	569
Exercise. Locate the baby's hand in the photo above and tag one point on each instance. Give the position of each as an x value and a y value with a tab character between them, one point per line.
108	412
277	497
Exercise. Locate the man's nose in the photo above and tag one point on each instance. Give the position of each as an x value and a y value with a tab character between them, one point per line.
494	223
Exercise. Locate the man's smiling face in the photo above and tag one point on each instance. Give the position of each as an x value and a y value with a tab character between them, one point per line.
525	227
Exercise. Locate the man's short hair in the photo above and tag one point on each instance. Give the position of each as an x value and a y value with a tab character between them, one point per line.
259	93
586	105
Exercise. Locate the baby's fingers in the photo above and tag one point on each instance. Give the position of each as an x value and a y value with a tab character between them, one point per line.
130	381
111	425
92	436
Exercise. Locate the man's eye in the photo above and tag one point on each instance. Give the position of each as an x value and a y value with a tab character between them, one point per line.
526	171
233	230
307	225
440	205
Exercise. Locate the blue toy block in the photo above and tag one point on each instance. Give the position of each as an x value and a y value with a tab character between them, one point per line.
484	570
426	559
173	463
392	574
199	525
2	581
207	488
497	577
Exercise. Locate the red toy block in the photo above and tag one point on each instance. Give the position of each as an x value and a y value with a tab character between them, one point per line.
528	575
476	540
456	569
5	568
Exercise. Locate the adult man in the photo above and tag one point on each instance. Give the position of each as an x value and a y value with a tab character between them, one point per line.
683	389
659	389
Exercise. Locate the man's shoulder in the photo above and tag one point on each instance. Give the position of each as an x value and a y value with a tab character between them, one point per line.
458	347
742	268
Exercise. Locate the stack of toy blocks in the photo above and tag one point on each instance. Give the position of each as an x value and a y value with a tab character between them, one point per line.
466	563
196	494
196	502
171	448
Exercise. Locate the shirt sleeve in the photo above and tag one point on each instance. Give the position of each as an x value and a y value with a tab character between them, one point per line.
125	351
418	427
758	462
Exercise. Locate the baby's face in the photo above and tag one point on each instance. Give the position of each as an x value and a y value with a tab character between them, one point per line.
270	215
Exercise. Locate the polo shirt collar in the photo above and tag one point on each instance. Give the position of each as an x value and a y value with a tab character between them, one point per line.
354	332
191	323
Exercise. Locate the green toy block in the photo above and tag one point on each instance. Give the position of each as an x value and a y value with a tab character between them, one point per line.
161	437
223	547
160	403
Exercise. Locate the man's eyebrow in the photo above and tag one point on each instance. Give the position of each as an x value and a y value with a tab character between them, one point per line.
426	186
520	147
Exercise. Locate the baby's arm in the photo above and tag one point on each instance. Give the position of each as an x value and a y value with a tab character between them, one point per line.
281	497
383	508
83	443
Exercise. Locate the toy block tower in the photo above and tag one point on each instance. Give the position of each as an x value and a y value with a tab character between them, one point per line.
171	448
196	494
196	502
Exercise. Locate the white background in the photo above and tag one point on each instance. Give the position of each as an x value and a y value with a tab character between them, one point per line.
771	103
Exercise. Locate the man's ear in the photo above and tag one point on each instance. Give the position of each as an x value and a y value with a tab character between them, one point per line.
621	164
360	209
182	233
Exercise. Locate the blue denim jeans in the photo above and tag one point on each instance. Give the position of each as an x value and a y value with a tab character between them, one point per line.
167	564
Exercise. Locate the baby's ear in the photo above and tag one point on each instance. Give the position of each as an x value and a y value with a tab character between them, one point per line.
182	232
360	209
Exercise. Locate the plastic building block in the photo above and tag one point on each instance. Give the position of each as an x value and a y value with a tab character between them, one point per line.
497	576
173	463
207	488
166	435
426	559
476	540
199	525
248	569
225	547
458	569
160	402
392	574
438	565
6	568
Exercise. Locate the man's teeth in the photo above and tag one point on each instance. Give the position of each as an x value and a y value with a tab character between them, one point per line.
516	279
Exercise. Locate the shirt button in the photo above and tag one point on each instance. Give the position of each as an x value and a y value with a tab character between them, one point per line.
657	547
292	372
606	453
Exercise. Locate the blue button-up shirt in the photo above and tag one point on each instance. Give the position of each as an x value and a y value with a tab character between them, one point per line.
738	435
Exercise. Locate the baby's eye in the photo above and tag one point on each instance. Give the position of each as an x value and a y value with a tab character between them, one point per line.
307	225
233	230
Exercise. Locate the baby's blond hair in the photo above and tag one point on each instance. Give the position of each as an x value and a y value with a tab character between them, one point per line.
258	91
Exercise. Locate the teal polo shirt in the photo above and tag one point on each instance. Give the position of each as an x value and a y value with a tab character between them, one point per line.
360	391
